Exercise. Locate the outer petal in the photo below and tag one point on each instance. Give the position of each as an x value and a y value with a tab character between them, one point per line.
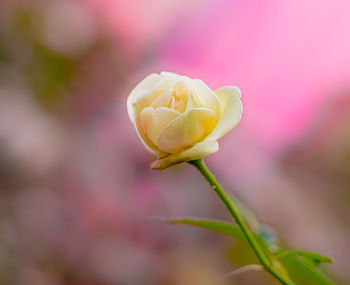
140	97
186	130
197	151
146	84
206	96
169	79
172	75
232	111
147	143
154	121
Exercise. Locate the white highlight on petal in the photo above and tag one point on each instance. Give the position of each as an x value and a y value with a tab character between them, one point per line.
232	111
186	130
197	151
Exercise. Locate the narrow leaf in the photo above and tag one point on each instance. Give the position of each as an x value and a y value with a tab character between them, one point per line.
209	224
222	227
304	271
316	257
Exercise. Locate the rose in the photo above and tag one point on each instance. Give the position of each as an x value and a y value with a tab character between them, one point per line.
179	119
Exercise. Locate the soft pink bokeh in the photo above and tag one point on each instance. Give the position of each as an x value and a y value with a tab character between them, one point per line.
289	58
76	189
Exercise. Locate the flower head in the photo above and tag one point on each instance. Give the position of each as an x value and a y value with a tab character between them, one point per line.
179	119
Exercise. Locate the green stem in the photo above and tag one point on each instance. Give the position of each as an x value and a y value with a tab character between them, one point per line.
265	262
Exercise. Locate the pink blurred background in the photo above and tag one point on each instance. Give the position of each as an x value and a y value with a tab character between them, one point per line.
75	185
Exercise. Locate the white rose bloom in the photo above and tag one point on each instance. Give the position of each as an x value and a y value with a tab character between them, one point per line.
179	119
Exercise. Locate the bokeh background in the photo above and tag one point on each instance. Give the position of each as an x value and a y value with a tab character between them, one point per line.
76	191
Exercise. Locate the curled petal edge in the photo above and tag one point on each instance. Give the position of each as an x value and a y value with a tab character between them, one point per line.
197	151
232	111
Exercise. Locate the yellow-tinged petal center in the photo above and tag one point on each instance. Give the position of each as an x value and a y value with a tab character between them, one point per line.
176	118
179	98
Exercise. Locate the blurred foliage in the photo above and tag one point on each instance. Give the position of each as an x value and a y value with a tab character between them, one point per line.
302	266
45	70
70	207
49	72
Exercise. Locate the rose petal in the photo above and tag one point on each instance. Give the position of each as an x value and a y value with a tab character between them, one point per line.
232	111
199	150
186	130
143	98
146	84
193	102
147	143
163	100
154	121
206	96
168	80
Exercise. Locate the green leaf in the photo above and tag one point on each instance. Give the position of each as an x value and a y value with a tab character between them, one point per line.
222	227
303	270
316	257
209	224
228	229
